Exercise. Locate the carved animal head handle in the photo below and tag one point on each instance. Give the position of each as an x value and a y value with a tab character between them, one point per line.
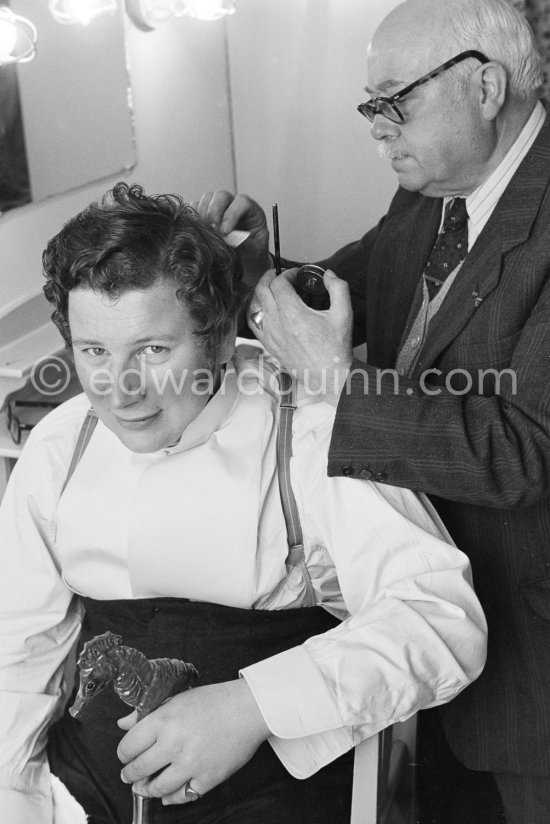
141	683
97	669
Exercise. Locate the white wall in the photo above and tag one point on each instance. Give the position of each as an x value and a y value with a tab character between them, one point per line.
298	71
297	75
62	91
178	80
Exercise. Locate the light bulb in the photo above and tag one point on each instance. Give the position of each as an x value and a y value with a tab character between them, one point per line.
208	9
18	37
8	39
80	11
148	14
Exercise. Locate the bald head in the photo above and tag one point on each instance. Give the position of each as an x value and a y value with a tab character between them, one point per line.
429	32
422	29
447	134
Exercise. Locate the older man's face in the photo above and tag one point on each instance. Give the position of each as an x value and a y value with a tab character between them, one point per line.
444	144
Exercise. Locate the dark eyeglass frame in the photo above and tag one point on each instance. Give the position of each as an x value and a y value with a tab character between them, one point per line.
15	426
387	107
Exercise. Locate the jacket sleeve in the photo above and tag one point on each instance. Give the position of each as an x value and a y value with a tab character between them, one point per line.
40	624
351	263
485	447
415	635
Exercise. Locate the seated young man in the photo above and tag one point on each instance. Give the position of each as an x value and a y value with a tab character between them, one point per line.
152	505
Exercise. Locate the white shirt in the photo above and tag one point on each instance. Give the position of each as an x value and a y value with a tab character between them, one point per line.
480	204
184	522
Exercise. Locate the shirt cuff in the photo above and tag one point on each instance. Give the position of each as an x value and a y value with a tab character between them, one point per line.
292	695
304	756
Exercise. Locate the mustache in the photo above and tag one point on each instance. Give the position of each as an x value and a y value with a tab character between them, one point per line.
387	151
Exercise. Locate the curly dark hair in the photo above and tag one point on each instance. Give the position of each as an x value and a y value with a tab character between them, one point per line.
130	240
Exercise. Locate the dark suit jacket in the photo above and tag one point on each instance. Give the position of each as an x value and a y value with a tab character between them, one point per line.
482	453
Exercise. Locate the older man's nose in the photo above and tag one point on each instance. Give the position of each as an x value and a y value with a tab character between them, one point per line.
383	127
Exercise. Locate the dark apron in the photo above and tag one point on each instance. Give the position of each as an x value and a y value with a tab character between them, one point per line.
219	641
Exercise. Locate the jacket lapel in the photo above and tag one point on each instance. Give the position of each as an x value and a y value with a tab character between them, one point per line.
395	271
509	226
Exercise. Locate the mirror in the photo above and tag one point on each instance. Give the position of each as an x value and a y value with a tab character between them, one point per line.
65	117
14	170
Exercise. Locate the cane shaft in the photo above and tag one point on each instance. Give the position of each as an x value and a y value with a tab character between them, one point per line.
142	809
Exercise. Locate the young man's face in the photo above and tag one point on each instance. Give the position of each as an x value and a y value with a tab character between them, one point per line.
143	369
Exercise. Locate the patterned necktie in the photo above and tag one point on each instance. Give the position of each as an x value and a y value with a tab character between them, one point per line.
450	247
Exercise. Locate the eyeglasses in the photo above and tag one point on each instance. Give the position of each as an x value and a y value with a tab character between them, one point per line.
15	426
387	107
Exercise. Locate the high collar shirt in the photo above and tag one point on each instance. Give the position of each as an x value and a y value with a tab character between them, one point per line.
203	520
481	203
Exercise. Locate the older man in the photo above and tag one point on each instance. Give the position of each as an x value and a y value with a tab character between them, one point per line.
450	291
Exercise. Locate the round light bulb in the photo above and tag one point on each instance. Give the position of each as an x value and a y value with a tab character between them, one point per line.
208	9
81	11
8	39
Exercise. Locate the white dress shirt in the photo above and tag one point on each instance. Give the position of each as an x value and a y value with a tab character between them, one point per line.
481	203
203	520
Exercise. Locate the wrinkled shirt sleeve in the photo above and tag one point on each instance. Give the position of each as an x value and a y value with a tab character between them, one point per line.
415	635
40	625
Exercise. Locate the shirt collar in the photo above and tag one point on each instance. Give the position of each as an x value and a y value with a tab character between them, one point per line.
482	201
213	417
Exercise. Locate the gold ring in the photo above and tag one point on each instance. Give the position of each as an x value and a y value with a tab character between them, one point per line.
257	318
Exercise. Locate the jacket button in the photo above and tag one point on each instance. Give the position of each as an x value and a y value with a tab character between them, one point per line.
365	474
348	470
380	477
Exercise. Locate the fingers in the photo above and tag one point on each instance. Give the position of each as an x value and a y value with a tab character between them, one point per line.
272	289
287	278
128	721
180	796
225	212
144	765
313	345
262	296
338	289
273	296
169	781
212	206
242	213
141	737
204	735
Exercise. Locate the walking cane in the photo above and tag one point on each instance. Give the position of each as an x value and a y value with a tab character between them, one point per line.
141	683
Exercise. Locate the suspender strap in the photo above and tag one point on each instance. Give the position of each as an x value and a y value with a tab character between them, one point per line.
296	558
296	555
84	436
284	454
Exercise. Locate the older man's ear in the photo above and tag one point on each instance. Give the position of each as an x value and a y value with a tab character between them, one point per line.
492	82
